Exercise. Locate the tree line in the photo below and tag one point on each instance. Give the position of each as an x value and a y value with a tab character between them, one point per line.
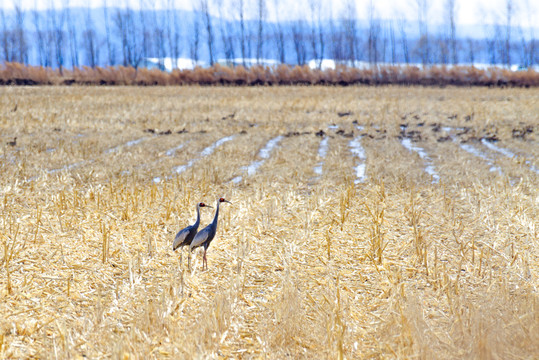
240	32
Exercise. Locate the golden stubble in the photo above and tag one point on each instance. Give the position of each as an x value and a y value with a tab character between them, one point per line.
303	265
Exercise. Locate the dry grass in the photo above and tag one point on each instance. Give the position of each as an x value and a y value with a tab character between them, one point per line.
302	266
19	74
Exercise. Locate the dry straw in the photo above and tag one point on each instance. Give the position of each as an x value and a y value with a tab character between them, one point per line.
19	74
303	266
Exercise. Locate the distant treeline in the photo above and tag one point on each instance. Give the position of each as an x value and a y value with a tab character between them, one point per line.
65	37
18	74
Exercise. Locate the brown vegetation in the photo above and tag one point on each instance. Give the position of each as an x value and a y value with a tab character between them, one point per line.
303	265
18	74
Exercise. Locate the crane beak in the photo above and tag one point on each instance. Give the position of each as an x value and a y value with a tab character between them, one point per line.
228	201
209	206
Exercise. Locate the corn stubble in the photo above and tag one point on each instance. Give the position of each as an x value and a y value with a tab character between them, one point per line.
396	267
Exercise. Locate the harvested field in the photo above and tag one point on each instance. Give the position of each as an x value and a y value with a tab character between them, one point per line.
366	222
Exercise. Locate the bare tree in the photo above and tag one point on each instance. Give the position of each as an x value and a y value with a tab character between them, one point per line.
337	40
243	30
278	32
384	42
494	44
404	40
157	40
177	35
145	32
72	34
374	34
471	50
90	41
195	38
40	31
261	12
298	38
450	15
393	42
173	39
317	32
110	48
129	34
120	21
204	8
531	48
7	38
349	26
57	19
19	35
443	50
227	32
423	44
509	8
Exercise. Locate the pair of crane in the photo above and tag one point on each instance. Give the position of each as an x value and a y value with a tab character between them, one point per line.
190	237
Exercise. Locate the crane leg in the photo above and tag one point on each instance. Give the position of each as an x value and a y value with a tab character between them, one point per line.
181	258
189	260
205	262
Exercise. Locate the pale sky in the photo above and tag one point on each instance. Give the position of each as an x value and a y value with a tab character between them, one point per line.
469	12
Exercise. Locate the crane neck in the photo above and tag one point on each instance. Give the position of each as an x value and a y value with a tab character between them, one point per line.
198	216
216	214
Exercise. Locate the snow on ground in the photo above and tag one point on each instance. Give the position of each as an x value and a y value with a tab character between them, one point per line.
429	168
205	152
263	154
322	152
359	152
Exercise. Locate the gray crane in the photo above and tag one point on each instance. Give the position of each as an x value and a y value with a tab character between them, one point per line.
206	235
185	236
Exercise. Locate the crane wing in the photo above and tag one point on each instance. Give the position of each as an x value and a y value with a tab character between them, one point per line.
180	238
200	238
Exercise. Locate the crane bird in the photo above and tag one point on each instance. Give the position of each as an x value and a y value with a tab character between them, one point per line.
206	235
185	236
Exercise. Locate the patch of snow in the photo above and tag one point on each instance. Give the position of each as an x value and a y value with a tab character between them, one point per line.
429	168
237	179
323	148
210	149
503	151
508	154
359	152
206	152
475	152
171	152
127	144
263	154
322	152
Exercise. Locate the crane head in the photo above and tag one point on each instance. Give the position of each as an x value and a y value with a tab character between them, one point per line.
204	205
224	200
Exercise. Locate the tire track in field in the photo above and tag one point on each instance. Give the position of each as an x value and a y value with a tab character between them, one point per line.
429	168
207	151
263	154
322	153
475	152
478	153
491	162
169	152
127	144
357	149
509	154
106	152
79	164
